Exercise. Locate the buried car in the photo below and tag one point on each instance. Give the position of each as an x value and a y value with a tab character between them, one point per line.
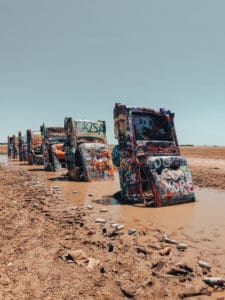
12	146
53	139
151	169
87	153
22	147
34	149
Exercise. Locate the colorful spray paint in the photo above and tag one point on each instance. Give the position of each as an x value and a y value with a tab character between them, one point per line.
34	149
150	166
87	154
53	140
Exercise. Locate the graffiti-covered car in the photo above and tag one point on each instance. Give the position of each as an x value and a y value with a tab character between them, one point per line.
12	146
87	153
34	149
151	169
22	147
53	139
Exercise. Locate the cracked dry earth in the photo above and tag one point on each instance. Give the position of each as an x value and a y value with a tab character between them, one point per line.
40	230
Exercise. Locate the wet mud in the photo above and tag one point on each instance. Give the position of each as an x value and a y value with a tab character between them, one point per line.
45	219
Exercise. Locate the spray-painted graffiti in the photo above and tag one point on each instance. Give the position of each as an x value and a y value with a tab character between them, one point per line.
12	146
22	147
34	148
87	155
90	129
148	156
53	140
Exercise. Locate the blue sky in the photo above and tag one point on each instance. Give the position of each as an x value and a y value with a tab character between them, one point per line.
78	57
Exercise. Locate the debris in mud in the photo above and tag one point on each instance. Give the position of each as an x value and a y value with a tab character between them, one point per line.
204	264
214	280
177	272
131	231
79	257
110	248
103	209
89	206
181	246
169	241
120	227
74	207
185	267
100	220
165	251
141	250
203	291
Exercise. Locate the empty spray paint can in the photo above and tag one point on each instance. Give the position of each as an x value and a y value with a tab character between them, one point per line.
204	264
100	220
181	246
214	280
169	241
119	227
103	209
131	231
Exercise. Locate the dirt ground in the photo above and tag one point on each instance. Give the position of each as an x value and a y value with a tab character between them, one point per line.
207	165
51	246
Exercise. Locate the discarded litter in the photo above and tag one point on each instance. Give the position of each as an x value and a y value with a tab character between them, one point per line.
89	206
165	251
74	207
100	220
90	232
169	241
110	249
114	225
214	280
119	227
55	188
204	264
103	209
104	230
79	257
75	192
131	231
181	246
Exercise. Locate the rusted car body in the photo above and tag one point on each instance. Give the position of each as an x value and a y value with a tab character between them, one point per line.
87	153
34	150
151	169
12	146
53	139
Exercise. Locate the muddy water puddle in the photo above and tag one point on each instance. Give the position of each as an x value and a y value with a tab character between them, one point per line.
207	212
201	221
